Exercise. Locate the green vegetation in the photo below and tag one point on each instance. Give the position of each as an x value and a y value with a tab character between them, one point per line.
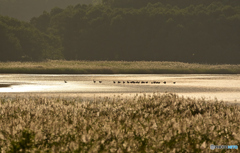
21	41
202	31
116	67
154	123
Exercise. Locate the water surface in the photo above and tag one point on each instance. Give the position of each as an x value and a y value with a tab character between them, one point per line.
222	87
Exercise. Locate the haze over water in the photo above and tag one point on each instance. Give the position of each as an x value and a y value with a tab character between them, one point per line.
222	87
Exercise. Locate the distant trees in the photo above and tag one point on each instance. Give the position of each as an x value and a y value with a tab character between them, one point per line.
26	9
22	41
202	31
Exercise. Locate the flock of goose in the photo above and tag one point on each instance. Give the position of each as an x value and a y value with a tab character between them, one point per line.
132	82
136	82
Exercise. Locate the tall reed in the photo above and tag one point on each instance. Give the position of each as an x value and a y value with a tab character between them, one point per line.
147	123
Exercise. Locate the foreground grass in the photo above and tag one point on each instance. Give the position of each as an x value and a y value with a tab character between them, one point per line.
158	123
115	67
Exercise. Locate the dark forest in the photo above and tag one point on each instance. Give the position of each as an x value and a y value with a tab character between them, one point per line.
203	31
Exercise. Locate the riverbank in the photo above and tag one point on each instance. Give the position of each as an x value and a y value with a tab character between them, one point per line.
156	123
115	67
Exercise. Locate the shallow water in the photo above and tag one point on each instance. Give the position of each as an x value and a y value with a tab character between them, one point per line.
222	87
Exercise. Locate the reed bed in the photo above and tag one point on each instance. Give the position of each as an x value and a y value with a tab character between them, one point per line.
153	123
116	67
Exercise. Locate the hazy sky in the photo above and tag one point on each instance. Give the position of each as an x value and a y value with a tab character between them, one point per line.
26	9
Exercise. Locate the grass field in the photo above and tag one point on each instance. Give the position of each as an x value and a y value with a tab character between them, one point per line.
115	67
153	123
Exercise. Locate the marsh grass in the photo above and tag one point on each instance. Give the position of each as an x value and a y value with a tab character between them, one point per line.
115	67
147	123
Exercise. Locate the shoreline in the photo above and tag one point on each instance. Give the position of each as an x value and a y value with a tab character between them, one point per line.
98	96
115	67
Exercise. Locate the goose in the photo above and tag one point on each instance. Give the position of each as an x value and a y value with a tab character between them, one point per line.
153	82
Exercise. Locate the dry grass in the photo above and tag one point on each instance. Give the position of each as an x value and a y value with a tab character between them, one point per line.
114	67
157	123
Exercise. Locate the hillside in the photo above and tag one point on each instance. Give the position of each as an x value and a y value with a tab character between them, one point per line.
196	32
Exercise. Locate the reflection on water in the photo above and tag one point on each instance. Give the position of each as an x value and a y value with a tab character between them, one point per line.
223	87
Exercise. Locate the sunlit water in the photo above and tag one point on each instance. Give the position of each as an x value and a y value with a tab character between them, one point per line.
222	87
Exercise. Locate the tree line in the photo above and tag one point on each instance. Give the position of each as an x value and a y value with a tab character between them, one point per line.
21	41
26	9
167	31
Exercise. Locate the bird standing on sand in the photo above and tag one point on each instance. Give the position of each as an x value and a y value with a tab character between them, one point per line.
114	82
174	82
164	82
100	81
94	81
65	81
